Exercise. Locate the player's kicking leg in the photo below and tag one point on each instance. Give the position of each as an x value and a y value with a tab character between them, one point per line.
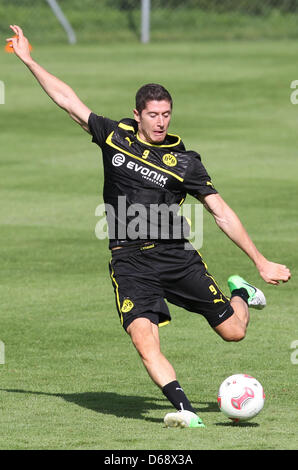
243	296
145	337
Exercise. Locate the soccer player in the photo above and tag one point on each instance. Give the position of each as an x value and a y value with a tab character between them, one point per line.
147	168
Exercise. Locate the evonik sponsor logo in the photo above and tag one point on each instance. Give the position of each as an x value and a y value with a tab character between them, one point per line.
118	159
146	173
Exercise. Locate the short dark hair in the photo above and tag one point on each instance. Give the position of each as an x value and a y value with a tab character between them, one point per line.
151	92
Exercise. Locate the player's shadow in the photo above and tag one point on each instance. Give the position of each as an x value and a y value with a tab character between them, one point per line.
128	406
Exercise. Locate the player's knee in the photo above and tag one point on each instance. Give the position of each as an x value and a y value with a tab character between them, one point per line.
144	342
147	348
136	338
231	329
235	335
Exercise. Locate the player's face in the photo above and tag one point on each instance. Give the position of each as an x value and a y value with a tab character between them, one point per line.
154	121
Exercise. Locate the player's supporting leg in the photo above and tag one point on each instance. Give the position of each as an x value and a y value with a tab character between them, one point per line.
145	337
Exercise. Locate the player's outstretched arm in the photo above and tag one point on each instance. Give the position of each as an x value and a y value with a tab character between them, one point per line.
57	90
230	224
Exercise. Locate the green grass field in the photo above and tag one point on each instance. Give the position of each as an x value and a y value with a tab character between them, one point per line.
71	378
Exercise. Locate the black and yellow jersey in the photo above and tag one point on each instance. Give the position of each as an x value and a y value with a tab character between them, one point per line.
145	184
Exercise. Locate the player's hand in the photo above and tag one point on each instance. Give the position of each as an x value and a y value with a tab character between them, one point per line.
273	273
20	43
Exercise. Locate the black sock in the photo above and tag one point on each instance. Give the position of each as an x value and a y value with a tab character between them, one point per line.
240	293
176	396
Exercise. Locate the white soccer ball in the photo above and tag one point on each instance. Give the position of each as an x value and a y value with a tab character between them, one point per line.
240	397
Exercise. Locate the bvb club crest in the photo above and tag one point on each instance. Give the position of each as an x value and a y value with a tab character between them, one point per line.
127	306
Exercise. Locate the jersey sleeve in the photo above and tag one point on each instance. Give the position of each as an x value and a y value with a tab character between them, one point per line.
100	128
197	181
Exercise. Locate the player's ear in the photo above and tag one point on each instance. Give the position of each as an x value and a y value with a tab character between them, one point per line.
136	115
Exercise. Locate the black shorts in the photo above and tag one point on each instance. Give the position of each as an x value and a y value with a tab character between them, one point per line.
143	277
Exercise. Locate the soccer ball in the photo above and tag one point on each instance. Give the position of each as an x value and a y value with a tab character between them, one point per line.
240	397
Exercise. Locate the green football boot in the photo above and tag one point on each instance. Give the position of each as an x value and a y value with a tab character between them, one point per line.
183	419
256	298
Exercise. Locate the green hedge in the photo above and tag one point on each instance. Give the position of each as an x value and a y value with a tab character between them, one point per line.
104	21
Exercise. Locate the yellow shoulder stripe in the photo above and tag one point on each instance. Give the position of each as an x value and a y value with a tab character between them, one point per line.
126	127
